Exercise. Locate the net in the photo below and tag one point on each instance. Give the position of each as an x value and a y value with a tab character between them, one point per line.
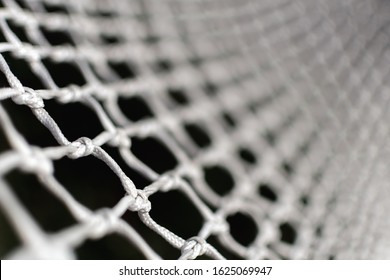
194	129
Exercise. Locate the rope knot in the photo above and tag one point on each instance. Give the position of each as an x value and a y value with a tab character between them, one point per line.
30	98
141	203
28	52
169	182
193	248
37	162
120	139
71	93
82	147
218	224
103	221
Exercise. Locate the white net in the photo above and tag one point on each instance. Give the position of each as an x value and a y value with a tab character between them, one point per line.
194	129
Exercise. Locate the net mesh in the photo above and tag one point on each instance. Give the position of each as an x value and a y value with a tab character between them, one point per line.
194	129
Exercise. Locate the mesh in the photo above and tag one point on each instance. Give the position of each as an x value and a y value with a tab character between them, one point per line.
194	129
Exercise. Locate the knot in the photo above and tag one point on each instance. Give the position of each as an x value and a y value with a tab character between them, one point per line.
193	248
65	53
120	139
218	224
82	147
30	98
169	182
103	222
140	203
71	93
36	162
28	52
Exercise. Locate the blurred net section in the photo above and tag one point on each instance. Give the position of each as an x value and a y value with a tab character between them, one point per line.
194	129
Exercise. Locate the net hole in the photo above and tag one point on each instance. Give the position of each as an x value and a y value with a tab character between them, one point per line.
67	115
42	205
110	247
8	237
247	156
3	79
106	13
21	69
109	39
56	37
304	149
90	181
134	108
219	179
172	209
139	180
64	73
198	135
163	65
52	8
305	200
123	70
210	89
243	229
154	154
319	231
288	233
21	3
4	144
266	191
252	107
287	168
265	101
196	61
229	120
152	39
28	125
19	30
178	96
317	176
270	137
101	71
2	37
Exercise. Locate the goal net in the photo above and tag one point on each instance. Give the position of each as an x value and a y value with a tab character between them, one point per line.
199	129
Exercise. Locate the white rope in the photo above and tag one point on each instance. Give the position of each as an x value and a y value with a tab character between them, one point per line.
274	110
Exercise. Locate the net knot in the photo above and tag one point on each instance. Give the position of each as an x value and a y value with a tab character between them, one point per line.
218	224
193	248
103	222
140	203
36	162
120	139
69	94
82	147
169	182
28	52
30	98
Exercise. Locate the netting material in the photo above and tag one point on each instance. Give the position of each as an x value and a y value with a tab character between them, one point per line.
272	113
